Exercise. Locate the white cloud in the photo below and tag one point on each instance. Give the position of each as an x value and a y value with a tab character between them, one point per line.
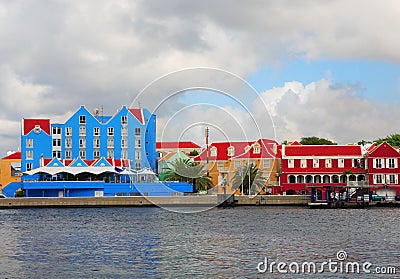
328	110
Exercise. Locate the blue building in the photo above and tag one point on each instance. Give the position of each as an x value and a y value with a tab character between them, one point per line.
130	134
93	155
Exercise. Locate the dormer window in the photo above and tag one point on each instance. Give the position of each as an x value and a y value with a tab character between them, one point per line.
231	151
124	120
82	119
37	129
213	151
256	149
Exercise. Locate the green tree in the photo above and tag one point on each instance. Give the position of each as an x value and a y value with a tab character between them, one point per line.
393	140
241	177
194	152
316	141
184	170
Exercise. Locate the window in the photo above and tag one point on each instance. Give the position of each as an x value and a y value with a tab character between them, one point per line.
392	179
138	166
231	151
138	155
138	143
110	153
124	131
96	131
29	154
378	179
303	163
82	143
82	154
56	130
328	163
315	163
28	166
220	165
68	143
124	143
96	154
237	164
29	143
340	163
267	164
213	151
82	119
68	155
378	163
137	131
68	131
124	155
256	149
391	163
96	143
356	163
124	120
57	142
57	154
291	163
110	131
110	143
82	131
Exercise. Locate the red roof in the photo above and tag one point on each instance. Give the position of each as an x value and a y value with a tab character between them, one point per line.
383	150
222	150
138	114
30	124
322	150
176	144
268	149
15	155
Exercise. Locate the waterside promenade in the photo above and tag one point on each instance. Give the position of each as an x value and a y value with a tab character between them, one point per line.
135	201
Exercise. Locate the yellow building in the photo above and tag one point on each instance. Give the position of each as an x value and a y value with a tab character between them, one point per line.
10	169
227	159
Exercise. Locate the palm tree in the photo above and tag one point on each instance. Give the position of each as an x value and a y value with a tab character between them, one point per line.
184	170
241	179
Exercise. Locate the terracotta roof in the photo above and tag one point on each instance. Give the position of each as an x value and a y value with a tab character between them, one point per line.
222	150
322	150
30	124
138	114
15	155
176	144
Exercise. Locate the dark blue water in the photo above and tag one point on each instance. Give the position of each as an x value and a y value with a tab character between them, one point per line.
219	243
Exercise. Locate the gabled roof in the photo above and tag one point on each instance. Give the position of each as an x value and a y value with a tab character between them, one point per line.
138	113
268	149
222	150
176	145
13	156
78	162
321	150
30	124
383	150
102	162
55	163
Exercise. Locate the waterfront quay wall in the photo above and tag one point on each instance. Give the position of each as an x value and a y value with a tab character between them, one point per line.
195	200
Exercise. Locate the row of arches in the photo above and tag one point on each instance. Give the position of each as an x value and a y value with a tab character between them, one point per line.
327	178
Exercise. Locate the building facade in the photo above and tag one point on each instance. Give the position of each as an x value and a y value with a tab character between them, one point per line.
10	170
313	165
129	134
382	164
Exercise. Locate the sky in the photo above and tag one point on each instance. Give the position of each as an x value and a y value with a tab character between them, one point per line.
276	69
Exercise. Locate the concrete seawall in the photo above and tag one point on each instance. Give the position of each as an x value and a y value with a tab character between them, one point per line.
190	201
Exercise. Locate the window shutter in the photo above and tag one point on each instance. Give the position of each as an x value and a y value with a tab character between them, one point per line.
383	163
396	178
374	163
387	178
374	178
387	162
383	179
396	161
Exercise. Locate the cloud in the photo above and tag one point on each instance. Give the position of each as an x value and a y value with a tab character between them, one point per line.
57	55
328	110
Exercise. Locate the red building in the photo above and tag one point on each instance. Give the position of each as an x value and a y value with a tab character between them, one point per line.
382	164
320	165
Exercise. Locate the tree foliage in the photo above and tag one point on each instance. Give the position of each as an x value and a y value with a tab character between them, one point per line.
194	152
241	178
316	141
393	140
184	170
